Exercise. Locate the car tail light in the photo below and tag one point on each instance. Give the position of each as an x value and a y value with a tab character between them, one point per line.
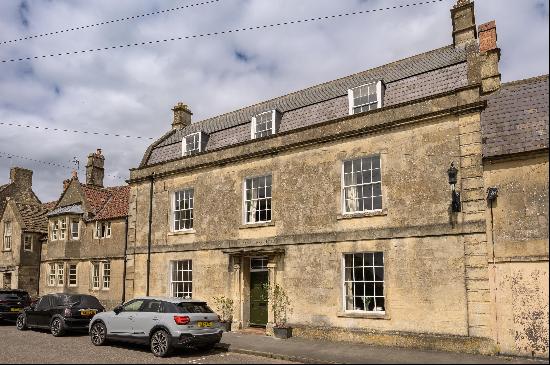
67	312
182	319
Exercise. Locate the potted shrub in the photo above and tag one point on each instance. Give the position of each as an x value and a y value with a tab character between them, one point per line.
224	307
280	305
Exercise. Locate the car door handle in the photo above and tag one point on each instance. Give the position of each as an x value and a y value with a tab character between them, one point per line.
155	318
130	317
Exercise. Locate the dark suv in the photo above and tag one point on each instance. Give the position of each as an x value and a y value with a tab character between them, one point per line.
12	302
60	313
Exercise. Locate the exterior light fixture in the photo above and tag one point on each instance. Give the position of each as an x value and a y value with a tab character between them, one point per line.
492	193
455	196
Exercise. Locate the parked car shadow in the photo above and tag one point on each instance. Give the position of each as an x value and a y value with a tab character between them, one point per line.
178	352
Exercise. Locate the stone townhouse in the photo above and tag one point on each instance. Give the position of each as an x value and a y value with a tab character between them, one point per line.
23	226
364	197
515	160
84	252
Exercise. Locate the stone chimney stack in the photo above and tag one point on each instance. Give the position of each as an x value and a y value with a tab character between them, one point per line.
74	176
490	57
182	116
94	169
21	177
464	23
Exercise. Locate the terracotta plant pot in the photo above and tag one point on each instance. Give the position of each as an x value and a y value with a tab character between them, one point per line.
282	332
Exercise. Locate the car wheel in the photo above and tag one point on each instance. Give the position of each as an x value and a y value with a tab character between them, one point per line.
21	322
56	327
98	334
160	343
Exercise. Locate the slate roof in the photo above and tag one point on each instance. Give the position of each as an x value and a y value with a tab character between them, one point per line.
433	72
107	203
34	217
69	209
516	118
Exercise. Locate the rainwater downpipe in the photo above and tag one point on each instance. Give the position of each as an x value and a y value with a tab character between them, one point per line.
152	179
125	260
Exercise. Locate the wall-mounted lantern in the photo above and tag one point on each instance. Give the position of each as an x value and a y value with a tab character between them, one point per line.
492	193
455	196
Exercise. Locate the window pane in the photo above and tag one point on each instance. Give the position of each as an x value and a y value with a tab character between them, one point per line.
379	259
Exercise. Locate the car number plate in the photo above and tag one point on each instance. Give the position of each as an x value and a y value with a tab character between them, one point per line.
204	324
16	309
87	312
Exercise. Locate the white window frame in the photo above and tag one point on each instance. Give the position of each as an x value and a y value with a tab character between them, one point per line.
380	90
274	123
73	221
7	239
343	187
52	274
72	275
102	229
62	228
344	302
264	261
60	273
55	230
96	278
245	218
192	209
184	151
106	275
189	269
30	242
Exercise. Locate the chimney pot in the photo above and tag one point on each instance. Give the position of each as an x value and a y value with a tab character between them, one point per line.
182	116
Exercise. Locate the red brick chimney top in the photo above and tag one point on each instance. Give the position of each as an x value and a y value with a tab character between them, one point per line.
487	36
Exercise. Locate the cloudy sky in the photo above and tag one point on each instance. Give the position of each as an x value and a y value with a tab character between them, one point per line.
130	91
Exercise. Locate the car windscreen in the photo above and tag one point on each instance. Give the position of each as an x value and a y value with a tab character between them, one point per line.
14	296
186	307
83	301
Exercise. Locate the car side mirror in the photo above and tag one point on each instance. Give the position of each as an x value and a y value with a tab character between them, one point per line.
117	309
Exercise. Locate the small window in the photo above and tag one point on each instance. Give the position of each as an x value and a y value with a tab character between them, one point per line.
258	263
191	144
27	242
63	228
7	236
361	185
55	230
60	273
102	229
265	124
257	199
364	282
182	207
95	275
51	274
106	275
72	275
181	279
74	229
366	97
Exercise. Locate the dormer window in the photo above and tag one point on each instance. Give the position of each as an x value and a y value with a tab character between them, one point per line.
366	97
265	124
191	144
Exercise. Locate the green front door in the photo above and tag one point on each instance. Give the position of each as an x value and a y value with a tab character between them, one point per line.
258	298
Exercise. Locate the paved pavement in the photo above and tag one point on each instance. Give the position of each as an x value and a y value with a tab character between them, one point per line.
317	351
41	347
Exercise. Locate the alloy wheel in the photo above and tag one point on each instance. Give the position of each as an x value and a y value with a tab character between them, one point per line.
56	327
20	324
98	334
159	343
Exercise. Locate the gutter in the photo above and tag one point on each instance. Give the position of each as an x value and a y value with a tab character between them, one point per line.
125	260
152	180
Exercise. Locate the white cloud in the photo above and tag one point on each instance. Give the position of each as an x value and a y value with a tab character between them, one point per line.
131	90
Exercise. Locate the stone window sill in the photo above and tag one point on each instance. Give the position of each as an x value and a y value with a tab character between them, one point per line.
376	213
257	225
363	315
182	233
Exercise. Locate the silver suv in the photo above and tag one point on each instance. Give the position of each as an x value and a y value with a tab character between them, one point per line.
163	323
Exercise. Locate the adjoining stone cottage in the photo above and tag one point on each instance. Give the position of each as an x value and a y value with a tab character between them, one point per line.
23	227
364	197
84	251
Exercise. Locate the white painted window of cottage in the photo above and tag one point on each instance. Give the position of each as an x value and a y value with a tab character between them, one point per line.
363	284
264	124
106	280
55	229
102	229
361	185
7	236
27	242
73	275
181	279
75	229
95	275
191	144
366	97
257	199
62	228
183	203
51	274
60	273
